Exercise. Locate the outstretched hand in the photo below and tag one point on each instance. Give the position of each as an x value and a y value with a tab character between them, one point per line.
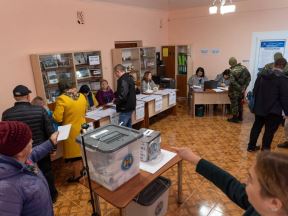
53	137
187	154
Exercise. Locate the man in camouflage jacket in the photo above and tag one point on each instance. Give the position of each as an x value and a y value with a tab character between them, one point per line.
239	80
270	66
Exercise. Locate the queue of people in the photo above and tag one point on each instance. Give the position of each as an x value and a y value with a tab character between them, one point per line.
28	138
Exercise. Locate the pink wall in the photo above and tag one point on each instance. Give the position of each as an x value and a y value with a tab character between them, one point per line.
231	33
34	26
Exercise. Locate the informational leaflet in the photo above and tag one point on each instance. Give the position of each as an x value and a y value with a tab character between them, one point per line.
140	110
114	118
156	164
267	50
172	98
141	96
158	103
94	60
100	113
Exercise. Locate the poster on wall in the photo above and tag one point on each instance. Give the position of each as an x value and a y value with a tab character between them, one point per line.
267	50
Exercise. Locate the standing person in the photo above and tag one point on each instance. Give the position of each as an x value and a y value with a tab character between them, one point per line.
270	66
239	80
266	190
105	94
71	108
39	101
223	79
23	189
126	95
271	98
285	143
198	78
37	119
147	82
91	100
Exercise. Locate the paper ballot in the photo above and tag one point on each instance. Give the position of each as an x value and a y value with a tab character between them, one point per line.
64	132
156	164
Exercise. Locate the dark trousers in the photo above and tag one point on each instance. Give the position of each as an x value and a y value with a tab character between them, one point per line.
45	166
236	105
271	123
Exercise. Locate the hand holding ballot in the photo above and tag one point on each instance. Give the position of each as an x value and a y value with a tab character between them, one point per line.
64	132
54	138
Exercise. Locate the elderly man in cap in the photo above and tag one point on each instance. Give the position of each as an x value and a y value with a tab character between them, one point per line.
23	189
36	117
239	80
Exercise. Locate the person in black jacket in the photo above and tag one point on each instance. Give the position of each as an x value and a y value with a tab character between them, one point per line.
125	96
266	190
36	117
271	99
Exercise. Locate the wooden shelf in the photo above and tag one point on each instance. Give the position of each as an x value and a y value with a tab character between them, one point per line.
38	62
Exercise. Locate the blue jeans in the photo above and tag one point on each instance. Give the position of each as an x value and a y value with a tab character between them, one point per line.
125	117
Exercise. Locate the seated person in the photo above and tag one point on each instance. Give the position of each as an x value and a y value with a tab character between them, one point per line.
198	79
266	189
147	83
86	91
223	79
105	94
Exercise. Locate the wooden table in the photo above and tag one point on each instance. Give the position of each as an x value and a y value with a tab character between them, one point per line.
208	97
150	109
121	197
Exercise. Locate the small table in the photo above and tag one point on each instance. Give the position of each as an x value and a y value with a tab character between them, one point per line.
122	196
208	97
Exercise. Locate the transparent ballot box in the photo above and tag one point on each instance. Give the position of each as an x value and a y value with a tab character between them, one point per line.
113	154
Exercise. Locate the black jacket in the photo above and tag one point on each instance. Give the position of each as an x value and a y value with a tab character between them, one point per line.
228	184
36	117
271	93
126	95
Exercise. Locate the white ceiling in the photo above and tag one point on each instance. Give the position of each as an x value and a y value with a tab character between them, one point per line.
163	4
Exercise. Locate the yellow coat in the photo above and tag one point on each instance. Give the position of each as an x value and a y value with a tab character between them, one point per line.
94	101
71	111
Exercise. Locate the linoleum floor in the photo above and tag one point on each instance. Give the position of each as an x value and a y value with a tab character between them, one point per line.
211	136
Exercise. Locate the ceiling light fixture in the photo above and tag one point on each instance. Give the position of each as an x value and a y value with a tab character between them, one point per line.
224	8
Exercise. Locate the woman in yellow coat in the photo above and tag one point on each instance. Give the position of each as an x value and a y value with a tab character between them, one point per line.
70	109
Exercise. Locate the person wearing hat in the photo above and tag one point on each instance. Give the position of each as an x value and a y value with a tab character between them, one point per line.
239	80
23	188
36	117
271	65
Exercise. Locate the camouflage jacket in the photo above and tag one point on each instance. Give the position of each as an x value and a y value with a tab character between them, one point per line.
239	79
270	66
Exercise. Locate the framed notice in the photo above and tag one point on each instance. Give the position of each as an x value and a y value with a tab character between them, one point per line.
94	60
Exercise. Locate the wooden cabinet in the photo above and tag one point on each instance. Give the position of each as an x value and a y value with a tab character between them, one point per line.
79	67
148	60
137	60
178	62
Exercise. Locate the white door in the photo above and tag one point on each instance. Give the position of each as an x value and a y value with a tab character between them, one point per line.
264	46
